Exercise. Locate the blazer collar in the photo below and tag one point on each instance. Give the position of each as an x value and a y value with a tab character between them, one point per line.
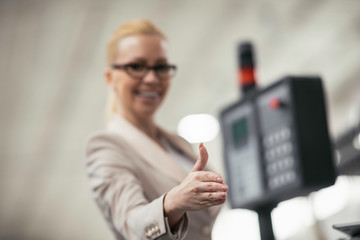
148	149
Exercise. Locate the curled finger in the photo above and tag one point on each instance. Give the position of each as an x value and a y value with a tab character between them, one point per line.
210	177
213	196
212	187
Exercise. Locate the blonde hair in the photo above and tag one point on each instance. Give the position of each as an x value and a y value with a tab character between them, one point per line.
134	27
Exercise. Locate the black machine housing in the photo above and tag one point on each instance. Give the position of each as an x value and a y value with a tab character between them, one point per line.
276	143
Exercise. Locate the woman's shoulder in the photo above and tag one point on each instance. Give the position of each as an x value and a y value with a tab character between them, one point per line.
104	139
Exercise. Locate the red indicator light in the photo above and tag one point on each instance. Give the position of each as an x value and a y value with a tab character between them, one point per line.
246	76
274	103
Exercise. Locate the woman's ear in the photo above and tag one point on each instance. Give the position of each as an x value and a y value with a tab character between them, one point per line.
109	78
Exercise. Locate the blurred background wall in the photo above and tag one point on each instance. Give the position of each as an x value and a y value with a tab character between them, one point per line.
53	96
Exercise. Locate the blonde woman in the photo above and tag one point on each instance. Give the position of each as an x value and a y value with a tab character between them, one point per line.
147	182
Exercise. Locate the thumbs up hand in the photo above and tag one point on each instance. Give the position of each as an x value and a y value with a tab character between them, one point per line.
199	190
202	160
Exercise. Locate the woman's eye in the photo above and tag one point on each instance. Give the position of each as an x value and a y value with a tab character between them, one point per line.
137	67
162	68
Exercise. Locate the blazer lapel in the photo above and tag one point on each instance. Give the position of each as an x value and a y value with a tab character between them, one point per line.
180	144
147	148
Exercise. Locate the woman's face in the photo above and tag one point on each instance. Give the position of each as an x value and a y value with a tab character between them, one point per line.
139	97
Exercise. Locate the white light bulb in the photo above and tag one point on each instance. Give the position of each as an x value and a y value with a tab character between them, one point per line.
196	128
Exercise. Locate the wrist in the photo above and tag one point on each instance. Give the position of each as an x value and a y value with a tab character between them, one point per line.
172	210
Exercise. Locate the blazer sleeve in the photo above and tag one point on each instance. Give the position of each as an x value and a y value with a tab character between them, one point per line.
119	193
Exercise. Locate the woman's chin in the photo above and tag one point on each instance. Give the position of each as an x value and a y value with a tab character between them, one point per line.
146	107
147	110
148	103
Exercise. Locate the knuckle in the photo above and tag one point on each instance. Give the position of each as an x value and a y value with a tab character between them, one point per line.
195	189
211	196
196	176
213	175
210	176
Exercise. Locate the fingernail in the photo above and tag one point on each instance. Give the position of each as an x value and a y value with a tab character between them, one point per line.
219	180
224	188
201	145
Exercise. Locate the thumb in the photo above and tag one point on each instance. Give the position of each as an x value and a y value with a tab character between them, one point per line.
202	160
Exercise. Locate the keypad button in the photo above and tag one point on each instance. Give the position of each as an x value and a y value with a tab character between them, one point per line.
285	133
288	162
271	169
277	152
290	176
269	155
287	147
269	141
276	137
273	183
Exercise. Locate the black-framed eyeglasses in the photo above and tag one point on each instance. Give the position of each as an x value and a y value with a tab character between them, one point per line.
139	70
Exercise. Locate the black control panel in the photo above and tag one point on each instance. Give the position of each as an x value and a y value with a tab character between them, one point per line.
276	143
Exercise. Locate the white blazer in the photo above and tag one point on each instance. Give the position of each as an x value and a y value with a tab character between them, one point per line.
129	175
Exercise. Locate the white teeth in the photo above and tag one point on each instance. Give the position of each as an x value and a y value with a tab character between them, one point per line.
149	94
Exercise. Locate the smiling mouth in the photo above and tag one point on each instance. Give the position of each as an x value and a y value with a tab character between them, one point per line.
148	94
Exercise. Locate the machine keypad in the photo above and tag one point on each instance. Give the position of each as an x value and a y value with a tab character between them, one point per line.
278	155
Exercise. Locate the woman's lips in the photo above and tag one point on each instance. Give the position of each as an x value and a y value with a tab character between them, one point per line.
148	94
148	97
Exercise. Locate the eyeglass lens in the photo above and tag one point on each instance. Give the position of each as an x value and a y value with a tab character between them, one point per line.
140	70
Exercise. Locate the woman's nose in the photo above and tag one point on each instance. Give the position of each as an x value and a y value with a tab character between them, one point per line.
151	77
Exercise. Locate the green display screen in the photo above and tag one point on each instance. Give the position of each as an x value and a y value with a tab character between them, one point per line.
240	132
